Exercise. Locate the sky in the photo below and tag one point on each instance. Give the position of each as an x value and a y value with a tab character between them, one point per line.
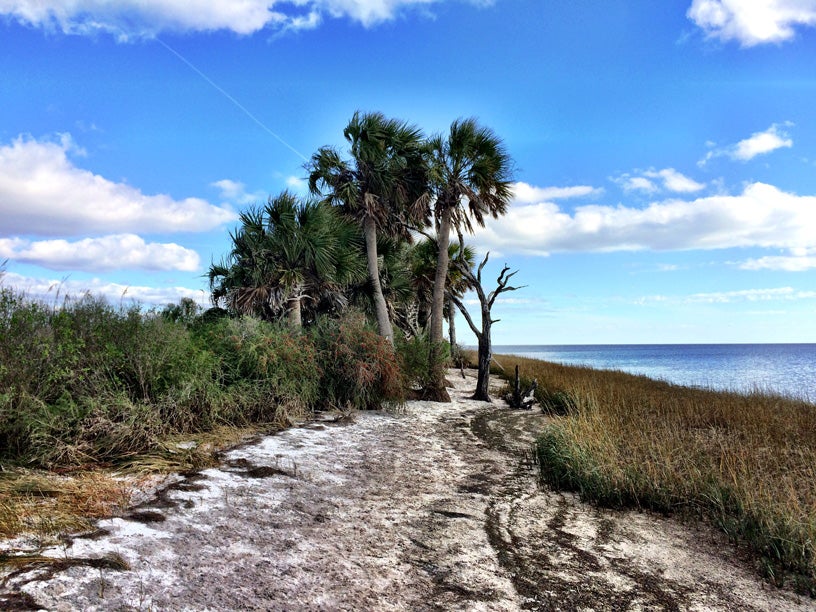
664	152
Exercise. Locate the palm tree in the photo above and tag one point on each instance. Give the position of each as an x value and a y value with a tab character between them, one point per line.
423	270
284	253
471	172
383	187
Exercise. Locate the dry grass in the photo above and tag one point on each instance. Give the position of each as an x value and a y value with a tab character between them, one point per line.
745	462
46	504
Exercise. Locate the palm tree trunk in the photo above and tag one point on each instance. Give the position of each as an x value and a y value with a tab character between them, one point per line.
293	315
380	307
442	262
436	390
452	325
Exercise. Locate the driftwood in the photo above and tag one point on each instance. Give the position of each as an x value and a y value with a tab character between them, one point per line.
519	400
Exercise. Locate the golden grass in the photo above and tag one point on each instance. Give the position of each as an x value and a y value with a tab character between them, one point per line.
46	504
745	461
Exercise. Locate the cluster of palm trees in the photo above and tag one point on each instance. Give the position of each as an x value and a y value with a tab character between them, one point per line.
352	241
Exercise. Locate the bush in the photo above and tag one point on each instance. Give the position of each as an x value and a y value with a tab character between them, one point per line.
85	382
270	363
415	358
359	368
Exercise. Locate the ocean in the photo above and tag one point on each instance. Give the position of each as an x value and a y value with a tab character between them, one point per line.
788	369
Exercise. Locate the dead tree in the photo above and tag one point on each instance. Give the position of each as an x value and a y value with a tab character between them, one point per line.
518	399
486	301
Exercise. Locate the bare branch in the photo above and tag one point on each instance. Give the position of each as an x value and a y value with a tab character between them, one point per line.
466	314
502	281
481	266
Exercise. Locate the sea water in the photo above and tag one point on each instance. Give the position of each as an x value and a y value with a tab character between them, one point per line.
788	369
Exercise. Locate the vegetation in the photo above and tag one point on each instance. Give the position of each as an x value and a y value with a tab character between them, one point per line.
383	186
286	257
392	184
84	383
747	463
296	301
470	172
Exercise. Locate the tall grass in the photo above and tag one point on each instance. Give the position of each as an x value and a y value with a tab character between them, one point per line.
746	462
84	383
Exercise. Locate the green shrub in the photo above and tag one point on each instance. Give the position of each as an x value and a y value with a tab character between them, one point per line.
85	382
415	358
359	368
279	362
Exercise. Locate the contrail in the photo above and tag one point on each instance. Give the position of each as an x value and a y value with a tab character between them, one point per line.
231	99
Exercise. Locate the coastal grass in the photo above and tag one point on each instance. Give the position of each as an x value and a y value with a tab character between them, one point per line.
88	390
745	462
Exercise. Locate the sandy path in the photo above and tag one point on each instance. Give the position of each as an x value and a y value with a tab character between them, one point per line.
436	508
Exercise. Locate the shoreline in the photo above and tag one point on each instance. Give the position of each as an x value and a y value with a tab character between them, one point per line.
788	370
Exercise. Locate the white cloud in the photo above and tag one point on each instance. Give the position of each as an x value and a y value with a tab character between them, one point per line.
671	180
523	192
762	216
798	260
230	190
235	191
636	183
675	181
122	251
743	295
752	22
729	297
761	143
127	19
49	289
758	143
297	185
42	192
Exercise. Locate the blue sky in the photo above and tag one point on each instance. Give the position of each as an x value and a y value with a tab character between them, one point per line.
665	151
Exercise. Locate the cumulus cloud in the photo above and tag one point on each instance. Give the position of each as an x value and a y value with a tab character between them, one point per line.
758	143
127	19
752	22
636	183
761	216
647	181
675	181
47	289
523	192
42	192
121	251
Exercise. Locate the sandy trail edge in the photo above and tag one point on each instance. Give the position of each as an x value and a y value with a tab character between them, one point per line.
436	508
